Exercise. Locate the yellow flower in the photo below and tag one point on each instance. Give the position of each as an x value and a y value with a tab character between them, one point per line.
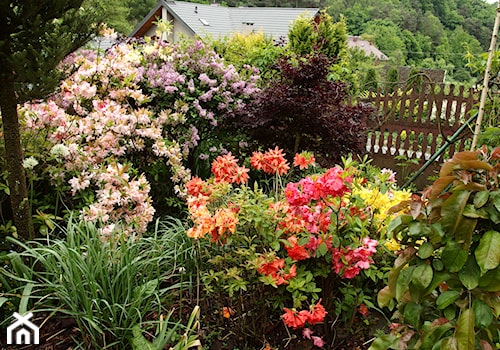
393	245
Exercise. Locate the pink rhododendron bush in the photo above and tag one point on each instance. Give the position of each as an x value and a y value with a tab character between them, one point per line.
308	253
130	123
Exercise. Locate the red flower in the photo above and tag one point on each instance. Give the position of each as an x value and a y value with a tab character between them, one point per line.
294	319
316	314
363	310
295	251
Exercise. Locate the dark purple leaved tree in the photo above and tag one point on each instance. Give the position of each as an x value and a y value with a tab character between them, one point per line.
301	109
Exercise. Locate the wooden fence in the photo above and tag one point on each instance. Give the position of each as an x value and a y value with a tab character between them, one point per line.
409	127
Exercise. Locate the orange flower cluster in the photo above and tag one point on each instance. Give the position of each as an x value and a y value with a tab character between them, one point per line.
297	319
303	160
273	161
197	187
274	267
226	169
223	221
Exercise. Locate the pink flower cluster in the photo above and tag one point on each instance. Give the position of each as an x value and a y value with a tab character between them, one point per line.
352	261
333	183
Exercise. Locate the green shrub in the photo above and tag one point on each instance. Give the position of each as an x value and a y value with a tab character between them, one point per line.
446	279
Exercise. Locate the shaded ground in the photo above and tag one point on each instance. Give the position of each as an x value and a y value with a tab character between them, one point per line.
58	333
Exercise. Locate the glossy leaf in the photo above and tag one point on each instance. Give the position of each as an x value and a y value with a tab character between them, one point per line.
425	250
481	198
469	274
496	199
447	298
490	282
452	209
403	281
483	313
412	313
439	185
422	276
384	296
465	330
488	252
453	257
464	232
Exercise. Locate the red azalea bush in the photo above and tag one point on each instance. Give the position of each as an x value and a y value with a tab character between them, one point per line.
296	250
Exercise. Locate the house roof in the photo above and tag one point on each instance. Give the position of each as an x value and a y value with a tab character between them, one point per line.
203	20
366	46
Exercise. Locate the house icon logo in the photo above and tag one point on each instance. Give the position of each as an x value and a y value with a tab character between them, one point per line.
22	334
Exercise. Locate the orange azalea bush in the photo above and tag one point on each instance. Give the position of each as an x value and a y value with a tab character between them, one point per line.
296	250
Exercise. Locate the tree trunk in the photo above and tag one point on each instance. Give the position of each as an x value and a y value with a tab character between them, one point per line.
14	156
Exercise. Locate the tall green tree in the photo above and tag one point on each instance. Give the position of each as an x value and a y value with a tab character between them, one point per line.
35	35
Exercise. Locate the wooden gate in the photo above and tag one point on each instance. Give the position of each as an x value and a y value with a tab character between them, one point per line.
409	127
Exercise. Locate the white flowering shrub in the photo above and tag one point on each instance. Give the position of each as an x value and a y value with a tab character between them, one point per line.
130	120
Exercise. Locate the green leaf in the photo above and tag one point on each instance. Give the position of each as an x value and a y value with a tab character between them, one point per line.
465	330
322	249
494	215
425	250
463	233
490	282
146	290
469	274
422	276
471	212
488	251
453	257
275	245
452	209
138	341
23	304
433	335
418	229
412	313
481	198
384	342
450	343
447	298
396	224
483	313
403	281
3	300
496	199
384	296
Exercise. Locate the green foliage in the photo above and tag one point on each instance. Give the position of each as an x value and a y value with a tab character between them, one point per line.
319	34
108	287
392	80
445	280
37	37
254	49
371	78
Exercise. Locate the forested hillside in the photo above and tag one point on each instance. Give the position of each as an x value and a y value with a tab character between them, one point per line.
419	33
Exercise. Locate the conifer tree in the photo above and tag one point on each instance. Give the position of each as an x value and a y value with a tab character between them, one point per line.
35	35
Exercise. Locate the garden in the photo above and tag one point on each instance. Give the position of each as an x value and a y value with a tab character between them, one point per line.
217	195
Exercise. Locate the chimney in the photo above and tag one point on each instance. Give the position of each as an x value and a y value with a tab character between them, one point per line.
196	9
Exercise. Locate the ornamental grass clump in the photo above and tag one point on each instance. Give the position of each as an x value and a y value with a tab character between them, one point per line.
301	254
445	282
108	287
